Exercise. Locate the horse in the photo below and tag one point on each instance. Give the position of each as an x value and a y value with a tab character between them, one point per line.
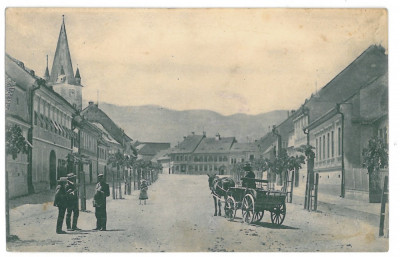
219	187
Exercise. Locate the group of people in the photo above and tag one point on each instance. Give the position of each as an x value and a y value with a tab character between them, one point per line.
67	200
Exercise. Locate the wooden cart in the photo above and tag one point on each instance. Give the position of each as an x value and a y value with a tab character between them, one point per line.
254	201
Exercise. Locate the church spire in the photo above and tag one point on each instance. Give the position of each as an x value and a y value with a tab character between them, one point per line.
62	58
46	73
77	76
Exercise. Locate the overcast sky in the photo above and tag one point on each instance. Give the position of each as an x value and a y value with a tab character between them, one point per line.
226	60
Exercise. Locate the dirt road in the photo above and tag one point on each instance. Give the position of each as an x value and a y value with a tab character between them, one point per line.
179	217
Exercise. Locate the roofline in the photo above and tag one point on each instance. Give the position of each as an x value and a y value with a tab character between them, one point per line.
334	109
124	134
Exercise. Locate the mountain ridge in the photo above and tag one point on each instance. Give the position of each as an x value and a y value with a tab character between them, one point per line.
154	123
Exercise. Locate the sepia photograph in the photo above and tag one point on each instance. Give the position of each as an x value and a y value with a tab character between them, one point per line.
196	130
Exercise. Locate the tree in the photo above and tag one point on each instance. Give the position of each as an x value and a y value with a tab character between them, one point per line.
15	141
117	160
279	165
15	144
375	157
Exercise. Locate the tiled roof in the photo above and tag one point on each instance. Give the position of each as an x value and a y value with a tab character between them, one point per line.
94	114
244	147
150	148
371	64
188	145
212	145
106	136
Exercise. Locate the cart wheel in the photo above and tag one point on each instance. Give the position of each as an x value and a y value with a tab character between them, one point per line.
230	208
248	208
258	216
278	214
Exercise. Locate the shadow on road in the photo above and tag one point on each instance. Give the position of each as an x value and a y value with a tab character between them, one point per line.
113	230
273	226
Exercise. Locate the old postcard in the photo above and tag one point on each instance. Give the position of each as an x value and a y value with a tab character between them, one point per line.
196	130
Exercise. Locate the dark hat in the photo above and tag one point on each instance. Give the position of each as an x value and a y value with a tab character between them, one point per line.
71	175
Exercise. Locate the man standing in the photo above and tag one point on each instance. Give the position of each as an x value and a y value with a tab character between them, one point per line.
60	201
72	202
99	202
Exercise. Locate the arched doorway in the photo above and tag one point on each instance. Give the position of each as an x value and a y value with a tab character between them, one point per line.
221	170
53	170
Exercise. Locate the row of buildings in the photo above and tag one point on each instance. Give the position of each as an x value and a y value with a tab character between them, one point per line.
62	137
337	121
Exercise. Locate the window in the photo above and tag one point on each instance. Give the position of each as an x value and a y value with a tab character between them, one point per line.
323	147
327	145
332	145
17	100
320	148
339	143
316	149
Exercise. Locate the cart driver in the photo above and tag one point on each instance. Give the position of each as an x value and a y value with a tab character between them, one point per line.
250	174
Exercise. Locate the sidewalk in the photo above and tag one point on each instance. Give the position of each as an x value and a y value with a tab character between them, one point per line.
365	211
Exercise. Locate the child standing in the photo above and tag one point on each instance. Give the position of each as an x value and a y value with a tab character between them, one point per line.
143	192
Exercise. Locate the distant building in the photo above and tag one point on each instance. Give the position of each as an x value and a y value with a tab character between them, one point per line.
198	154
148	150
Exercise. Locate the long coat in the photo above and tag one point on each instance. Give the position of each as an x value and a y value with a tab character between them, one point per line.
102	191
72	195
60	198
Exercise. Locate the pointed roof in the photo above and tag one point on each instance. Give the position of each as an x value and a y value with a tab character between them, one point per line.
62	58
47	73
77	74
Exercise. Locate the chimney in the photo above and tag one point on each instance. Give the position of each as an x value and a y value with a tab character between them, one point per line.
91	102
184	137
217	137
193	133
204	134
293	111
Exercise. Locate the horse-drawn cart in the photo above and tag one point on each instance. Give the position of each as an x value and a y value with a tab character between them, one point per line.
254	201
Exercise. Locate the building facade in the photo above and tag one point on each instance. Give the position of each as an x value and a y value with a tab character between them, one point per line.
18	83
337	122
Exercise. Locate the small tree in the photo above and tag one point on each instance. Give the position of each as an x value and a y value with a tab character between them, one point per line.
15	144
15	141
278	165
375	157
117	160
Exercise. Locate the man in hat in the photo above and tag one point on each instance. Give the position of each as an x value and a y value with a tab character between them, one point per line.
99	202
72	202
250	174
60	201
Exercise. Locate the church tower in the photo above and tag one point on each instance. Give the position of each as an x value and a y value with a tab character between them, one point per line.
62	77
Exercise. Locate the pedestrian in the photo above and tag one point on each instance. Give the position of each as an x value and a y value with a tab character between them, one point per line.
60	201
99	202
72	202
143	191
249	182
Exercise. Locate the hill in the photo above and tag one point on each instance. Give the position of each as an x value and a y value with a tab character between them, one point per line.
157	124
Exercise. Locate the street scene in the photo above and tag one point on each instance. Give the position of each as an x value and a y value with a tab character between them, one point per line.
164	224
222	130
